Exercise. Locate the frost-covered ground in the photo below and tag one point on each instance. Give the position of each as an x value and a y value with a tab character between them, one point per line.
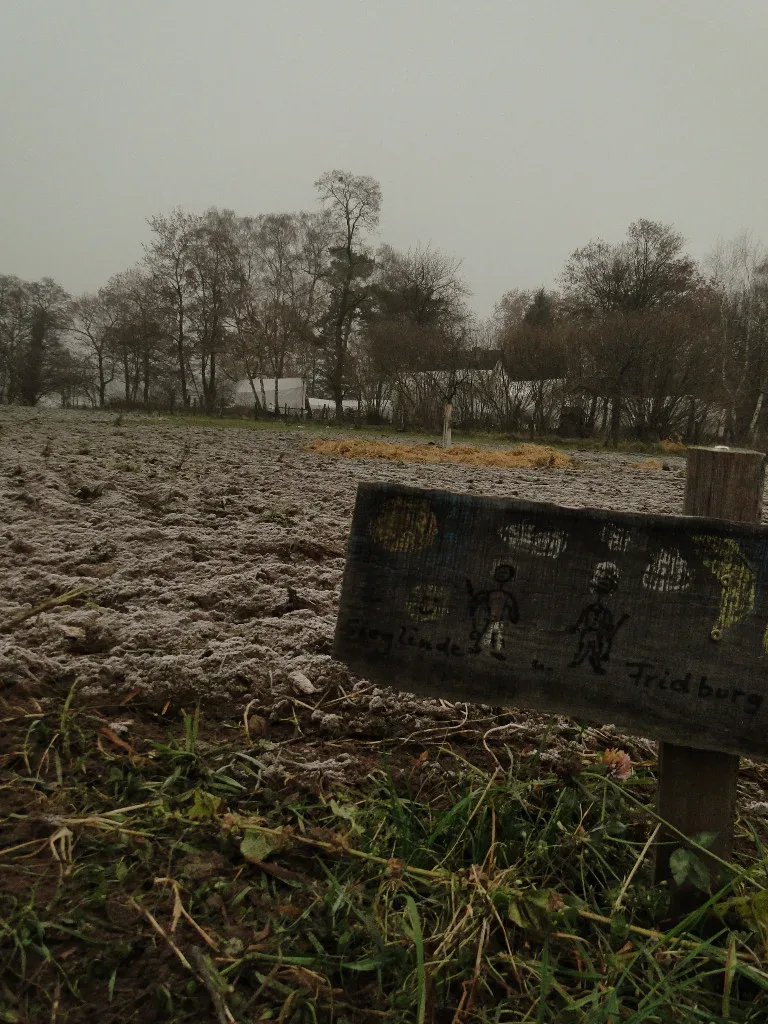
284	823
214	555
214	559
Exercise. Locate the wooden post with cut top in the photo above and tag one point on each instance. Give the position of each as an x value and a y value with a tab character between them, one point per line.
697	788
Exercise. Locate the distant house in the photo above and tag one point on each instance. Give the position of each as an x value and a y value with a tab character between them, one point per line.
292	397
326	407
483	389
291	393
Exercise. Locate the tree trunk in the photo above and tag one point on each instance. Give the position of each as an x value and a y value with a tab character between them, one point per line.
447	412
337	387
145	394
102	382
538	411
210	398
690	423
616	410
592	415
641	425
338	400
755	418
180	353
256	403
341	337
604	417
30	383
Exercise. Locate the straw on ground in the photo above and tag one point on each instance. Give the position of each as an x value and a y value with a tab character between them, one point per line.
523	456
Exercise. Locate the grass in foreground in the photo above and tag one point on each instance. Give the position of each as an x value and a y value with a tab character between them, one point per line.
152	873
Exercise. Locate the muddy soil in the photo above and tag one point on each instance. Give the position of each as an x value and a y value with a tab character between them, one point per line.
214	557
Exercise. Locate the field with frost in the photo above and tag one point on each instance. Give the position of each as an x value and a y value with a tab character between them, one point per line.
213	556
207	818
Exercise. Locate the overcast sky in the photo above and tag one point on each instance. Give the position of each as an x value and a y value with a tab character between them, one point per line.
505	132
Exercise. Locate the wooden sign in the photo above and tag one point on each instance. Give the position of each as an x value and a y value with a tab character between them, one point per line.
658	624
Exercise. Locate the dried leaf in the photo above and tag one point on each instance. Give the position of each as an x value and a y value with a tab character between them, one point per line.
555	902
257	846
114	738
618	763
204	806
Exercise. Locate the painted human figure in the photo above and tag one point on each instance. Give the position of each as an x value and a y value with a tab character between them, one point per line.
491	609
595	625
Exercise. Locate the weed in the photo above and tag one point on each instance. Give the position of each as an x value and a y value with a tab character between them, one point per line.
282	512
157	879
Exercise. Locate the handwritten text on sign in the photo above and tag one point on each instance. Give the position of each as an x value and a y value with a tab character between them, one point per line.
658	624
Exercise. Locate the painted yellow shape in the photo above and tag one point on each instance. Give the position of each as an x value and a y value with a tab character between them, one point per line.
425	603
405	525
727	562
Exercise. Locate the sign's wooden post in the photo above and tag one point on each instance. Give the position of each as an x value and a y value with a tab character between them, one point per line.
697	788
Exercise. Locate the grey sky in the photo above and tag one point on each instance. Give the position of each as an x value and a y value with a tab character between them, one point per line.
505	132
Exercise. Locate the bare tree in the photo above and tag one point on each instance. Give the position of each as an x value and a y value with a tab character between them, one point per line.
14	323
418	328
610	289
277	295
94	321
33	318
73	378
168	260
143	338
247	346
739	278
292	268
353	204
211	278
509	312
531	337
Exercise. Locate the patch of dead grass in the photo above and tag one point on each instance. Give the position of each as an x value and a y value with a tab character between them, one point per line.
524	456
672	446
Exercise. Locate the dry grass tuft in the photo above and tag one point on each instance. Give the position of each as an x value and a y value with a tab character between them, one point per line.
648	464
673	446
524	456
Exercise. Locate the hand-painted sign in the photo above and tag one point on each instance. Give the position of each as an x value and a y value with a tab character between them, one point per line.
658	624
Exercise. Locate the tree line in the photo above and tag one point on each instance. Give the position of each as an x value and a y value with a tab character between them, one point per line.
638	338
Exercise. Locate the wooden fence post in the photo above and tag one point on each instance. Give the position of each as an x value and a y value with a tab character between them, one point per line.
697	788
